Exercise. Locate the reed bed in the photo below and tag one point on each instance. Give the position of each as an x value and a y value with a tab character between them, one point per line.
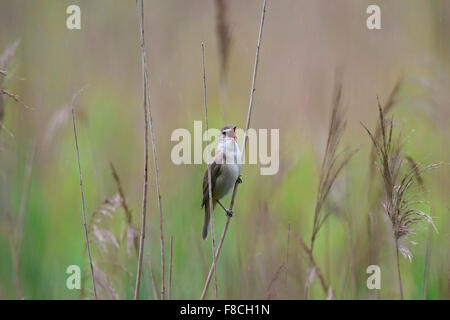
308	232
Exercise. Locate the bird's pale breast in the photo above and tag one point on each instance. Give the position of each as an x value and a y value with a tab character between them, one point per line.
224	183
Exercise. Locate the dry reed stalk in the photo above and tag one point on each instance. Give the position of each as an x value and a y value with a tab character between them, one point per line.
216	256
169	293
398	269
82	203
273	280
124	203
399	200
145	185
314	265
155	159
250	108
327	249
213	237
15	97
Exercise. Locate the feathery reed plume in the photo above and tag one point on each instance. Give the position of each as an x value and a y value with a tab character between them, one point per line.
4	63
5	59
149	121
398	185
82	203
213	236
102	235
415	168
125	207
374	195
224	40
7	54
132	233
389	105
107	243
249	114
332	164
104	283
223	34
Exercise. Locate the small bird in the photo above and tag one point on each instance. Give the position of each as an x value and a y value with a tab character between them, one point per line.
225	171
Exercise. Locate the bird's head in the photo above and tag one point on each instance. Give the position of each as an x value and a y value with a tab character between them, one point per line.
229	132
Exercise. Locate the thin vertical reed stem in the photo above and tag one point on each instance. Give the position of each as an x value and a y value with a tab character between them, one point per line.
398	269
82	204
145	185
250	108
213	236
169	293
149	121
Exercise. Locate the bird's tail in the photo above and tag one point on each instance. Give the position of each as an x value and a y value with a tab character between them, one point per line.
207	218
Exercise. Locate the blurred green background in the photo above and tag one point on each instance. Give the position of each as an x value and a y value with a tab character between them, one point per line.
303	44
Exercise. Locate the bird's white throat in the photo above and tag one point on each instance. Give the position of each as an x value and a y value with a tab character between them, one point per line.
230	149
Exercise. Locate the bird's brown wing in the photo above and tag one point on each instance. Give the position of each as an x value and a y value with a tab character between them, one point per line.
215	172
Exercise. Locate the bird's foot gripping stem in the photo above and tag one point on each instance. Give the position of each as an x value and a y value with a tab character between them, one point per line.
227	211
239	179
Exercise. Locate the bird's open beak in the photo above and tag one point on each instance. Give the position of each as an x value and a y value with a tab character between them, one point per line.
234	130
